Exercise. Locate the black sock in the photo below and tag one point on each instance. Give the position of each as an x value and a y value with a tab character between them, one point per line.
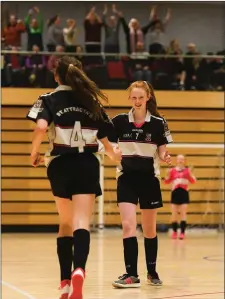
130	249
81	239
183	225
174	226
151	249
65	256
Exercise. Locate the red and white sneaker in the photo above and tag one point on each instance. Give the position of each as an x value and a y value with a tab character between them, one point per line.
76	287
182	236
174	235
65	289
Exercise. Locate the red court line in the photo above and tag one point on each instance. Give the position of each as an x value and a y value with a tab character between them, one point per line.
189	295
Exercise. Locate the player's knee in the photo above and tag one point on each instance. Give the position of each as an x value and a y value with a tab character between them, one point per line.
65	228
129	228
149	231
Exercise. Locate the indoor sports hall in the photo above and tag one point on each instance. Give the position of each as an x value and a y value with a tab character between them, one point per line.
187	74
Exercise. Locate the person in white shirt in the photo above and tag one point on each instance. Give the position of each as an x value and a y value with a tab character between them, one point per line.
70	35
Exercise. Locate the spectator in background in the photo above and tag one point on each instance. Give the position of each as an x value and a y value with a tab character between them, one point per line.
204	73
14	69
79	52
134	32
174	48
218	76
11	35
111	27
176	68
34	26
190	66
160	69
35	65
70	36
54	34
196	77
51	65
92	27
140	62
157	32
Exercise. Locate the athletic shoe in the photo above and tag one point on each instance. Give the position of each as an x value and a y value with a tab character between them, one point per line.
154	280
174	235
77	280
127	281
64	289
181	237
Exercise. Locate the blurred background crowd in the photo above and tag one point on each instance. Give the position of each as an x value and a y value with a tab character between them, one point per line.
114	49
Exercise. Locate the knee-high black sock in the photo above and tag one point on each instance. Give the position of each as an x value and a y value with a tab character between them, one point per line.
183	225
151	249
130	246
81	239
174	226
65	256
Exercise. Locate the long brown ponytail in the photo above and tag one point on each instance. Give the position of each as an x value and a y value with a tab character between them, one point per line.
70	73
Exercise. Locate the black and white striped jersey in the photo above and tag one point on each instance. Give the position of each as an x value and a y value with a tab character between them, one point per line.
139	142
71	127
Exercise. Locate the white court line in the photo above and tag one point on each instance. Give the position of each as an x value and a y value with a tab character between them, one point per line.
12	287
196	145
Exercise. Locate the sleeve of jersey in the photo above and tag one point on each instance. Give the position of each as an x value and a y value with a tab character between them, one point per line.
164	134
107	129
40	111
191	178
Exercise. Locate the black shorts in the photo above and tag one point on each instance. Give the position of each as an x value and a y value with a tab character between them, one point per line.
139	187
180	196
74	174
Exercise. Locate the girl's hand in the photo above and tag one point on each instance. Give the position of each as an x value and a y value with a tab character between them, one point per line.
117	154
36	159
167	158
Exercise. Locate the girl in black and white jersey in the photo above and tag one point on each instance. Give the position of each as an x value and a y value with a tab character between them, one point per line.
75	120
142	135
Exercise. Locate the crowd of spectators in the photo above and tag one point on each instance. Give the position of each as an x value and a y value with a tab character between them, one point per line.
109	71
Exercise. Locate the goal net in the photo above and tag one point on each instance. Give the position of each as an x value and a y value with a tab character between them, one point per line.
206	209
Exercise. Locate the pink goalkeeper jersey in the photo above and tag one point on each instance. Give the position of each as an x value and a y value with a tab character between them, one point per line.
180	178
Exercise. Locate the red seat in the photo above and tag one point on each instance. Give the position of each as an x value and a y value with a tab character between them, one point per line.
116	70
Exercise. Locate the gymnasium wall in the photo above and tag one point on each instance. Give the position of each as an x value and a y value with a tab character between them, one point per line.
195	118
190	22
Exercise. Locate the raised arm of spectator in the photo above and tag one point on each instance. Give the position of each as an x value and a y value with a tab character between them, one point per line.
148	26
121	19
20	27
91	12
39	19
167	17
153	15
98	18
104	14
67	31
28	18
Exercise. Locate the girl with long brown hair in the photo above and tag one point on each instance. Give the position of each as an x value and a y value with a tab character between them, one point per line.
75	119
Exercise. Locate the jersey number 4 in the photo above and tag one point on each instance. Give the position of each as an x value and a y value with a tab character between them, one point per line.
77	139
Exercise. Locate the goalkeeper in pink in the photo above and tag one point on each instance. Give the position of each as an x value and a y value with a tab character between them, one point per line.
179	177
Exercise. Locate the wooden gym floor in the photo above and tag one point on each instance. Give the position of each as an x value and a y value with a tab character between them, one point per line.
193	268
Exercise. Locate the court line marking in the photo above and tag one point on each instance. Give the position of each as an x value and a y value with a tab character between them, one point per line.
14	288
190	295
213	258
